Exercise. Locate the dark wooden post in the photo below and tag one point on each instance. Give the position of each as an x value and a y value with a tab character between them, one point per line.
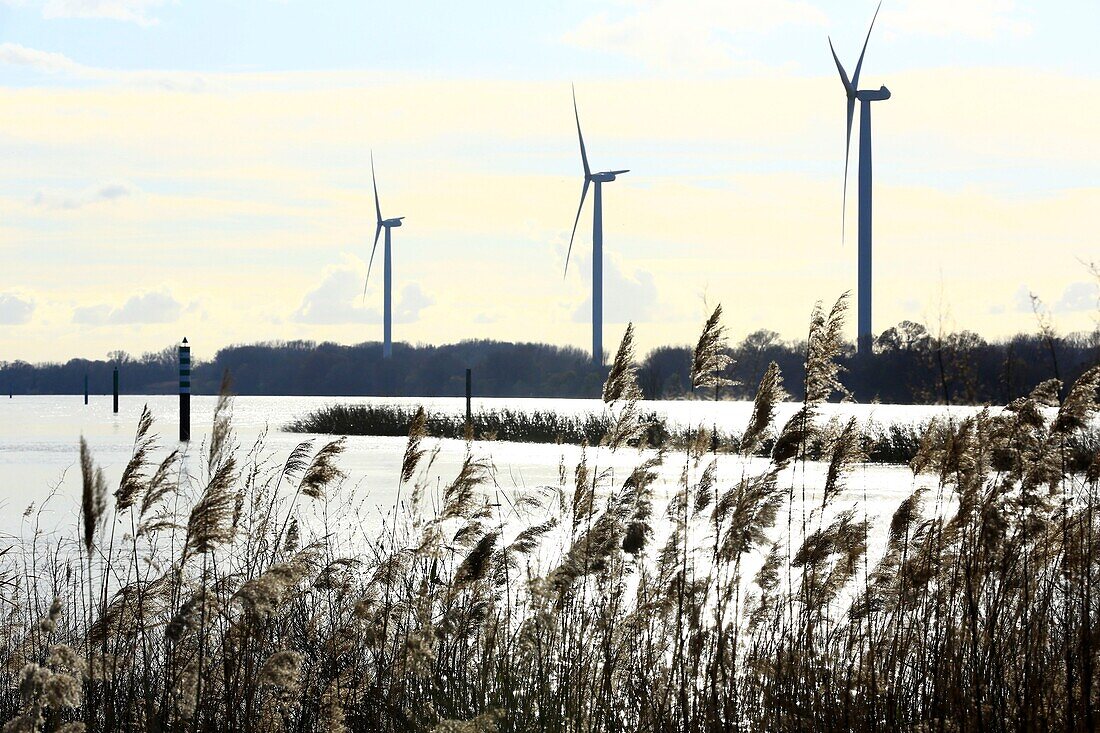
85	388
469	408
116	390
469	393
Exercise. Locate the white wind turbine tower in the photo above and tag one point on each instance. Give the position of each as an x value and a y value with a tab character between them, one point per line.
597	237
865	97
387	271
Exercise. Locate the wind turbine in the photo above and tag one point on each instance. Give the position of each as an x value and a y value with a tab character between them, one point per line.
597	237
865	98
387	273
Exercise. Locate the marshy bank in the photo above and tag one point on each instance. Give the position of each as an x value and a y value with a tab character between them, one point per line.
891	443
505	425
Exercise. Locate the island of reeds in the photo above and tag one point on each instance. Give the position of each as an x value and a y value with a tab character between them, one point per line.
891	443
230	590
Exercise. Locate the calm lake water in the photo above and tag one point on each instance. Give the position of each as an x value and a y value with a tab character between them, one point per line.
39	446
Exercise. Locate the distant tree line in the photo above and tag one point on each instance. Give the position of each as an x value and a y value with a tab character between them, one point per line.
910	365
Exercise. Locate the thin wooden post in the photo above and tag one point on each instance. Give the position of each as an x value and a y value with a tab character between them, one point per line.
115	379
85	388
469	407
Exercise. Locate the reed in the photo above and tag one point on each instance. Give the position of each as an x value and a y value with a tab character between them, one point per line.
517	426
233	591
890	444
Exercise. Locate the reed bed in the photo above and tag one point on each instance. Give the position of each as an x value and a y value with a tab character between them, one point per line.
890	444
227	591
517	426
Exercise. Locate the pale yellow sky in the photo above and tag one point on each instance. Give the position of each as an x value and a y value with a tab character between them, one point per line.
236	207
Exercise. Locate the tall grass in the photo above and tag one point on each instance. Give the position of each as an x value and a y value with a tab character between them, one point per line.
226	591
891	443
517	426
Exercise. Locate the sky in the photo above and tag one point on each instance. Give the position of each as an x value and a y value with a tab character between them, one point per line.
201	168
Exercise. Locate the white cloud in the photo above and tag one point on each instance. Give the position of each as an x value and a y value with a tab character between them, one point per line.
53	63
47	62
97	194
627	297
1022	300
339	300
982	19
700	36
712	35
1079	297
92	315
15	309
412	301
157	306
130	11
133	11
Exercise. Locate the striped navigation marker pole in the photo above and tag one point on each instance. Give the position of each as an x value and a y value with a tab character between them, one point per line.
185	392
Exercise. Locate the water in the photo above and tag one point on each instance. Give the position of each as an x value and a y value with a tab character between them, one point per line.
39	446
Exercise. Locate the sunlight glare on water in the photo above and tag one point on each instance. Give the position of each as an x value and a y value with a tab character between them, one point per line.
39	445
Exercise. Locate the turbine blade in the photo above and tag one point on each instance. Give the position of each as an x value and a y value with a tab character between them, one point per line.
847	156
584	154
377	206
843	74
584	192
377	232
859	64
619	173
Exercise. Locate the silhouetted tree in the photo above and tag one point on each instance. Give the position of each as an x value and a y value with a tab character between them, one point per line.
909	365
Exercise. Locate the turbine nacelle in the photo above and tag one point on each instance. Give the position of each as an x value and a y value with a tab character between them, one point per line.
873	95
606	176
390	223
